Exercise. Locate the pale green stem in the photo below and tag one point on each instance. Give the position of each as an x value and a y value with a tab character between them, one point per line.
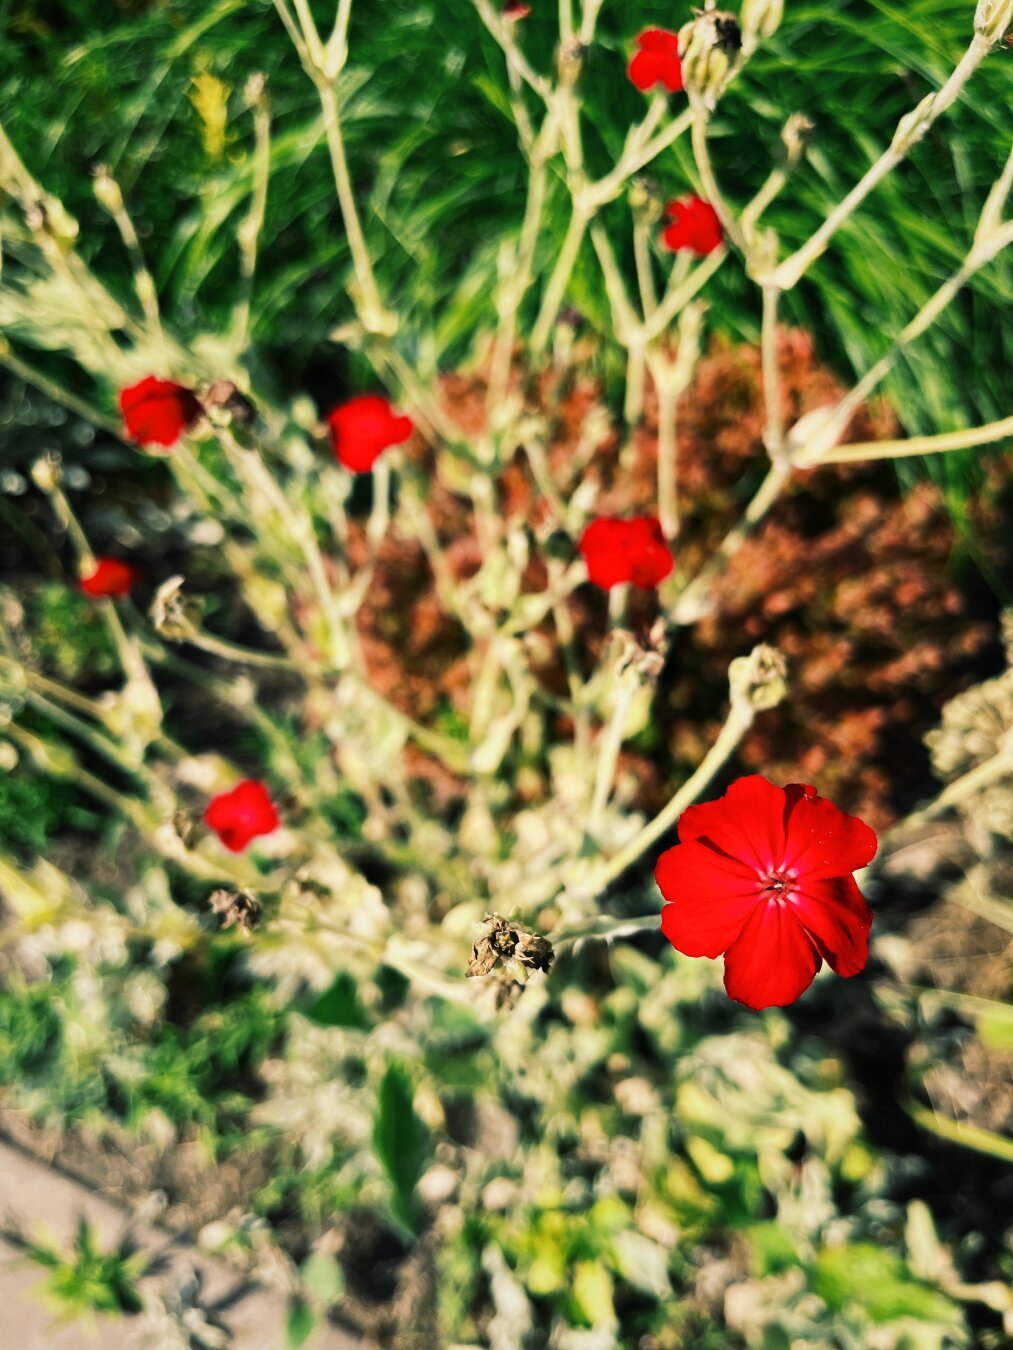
692	602
252	226
712	191
740	719
608	754
668	451
861	451
644	265
981	776
558	281
794	267
773	435
679	296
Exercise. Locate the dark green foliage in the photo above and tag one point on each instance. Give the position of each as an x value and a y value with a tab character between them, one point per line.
401	1143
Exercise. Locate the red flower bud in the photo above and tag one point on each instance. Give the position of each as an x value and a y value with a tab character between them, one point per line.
657	61
695	226
157	412
763	877
240	815
515	9
363	428
109	577
621	551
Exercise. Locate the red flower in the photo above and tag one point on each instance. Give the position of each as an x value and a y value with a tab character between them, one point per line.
157	412
109	577
240	815
515	9
657	62
695	225
619	551
763	877
363	428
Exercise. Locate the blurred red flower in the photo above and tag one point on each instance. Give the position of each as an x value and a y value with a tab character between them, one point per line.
241	814
109	577
363	428
657	61
157	412
516	9
620	551
763	877
695	226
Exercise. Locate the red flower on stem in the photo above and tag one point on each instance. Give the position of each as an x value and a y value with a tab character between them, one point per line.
109	577
515	9
621	551
157	412
763	876
363	428
657	61
695	226
240	815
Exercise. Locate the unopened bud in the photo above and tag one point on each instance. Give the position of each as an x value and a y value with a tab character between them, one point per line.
107	191
645	200
913	126
707	45
759	680
992	18
46	472
760	19
796	137
176	616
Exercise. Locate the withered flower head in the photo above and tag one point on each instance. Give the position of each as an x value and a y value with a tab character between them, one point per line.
238	909
759	680
176	616
503	941
224	395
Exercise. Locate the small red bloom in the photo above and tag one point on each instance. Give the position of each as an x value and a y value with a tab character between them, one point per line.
240	815
109	577
763	876
515	9
695	226
363	428
657	61
619	551
157	412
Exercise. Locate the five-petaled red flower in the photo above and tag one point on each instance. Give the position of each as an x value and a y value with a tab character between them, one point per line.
620	551
240	815
109	577
657	61
157	412
695	226
763	876
363	428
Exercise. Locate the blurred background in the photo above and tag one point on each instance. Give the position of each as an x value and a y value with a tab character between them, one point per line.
628	1159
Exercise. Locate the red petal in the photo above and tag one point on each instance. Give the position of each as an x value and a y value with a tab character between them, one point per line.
659	40
363	428
772	962
644	70
603	545
747	823
836	917
711	897
821	840
650	555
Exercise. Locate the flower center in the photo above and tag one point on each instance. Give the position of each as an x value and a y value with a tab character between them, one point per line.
777	886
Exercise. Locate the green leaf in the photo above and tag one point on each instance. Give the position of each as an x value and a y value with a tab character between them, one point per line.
592	1293
401	1142
299	1324
878	1281
323	1278
339	1006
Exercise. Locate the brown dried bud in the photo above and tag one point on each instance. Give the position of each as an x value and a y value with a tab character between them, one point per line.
503	941
238	909
223	394
642	653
